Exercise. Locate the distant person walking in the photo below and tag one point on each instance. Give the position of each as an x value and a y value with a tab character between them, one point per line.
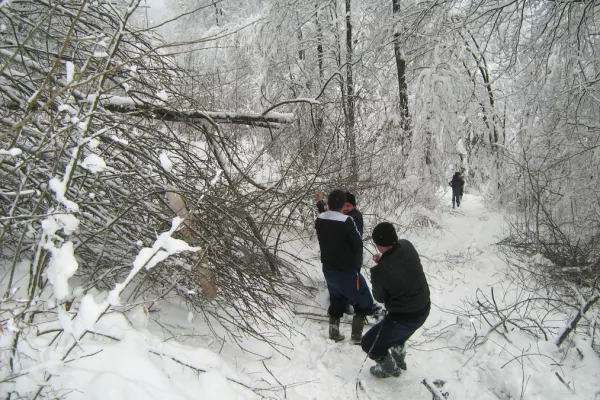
398	281
458	184
341	255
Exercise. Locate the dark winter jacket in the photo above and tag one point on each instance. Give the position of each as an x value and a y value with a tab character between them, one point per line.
457	184
339	240
321	206
355	214
358	220
399	281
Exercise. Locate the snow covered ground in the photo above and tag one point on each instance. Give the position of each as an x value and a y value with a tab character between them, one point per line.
170	354
459	257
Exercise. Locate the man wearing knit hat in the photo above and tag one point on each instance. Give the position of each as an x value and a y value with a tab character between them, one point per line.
398	281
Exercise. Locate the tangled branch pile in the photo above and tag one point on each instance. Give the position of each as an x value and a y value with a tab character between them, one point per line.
96	162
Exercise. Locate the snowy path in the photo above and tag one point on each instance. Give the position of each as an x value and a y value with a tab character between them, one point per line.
459	257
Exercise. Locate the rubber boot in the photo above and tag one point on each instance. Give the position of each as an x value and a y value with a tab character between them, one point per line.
334	330
399	355
358	323
386	368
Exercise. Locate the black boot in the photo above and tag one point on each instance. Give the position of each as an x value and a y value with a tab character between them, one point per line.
334	329
399	355
385	368
358	323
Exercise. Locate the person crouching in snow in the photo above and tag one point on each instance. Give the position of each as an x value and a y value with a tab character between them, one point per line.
341	256
398	281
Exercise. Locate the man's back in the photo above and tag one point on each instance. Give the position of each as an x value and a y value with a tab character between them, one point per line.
399	281
339	240
457	182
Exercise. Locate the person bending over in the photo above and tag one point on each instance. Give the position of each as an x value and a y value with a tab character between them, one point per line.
398	281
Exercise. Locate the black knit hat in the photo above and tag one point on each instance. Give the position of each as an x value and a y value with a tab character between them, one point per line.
385	235
350	198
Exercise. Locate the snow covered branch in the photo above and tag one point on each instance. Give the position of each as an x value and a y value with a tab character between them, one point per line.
575	320
432	387
132	106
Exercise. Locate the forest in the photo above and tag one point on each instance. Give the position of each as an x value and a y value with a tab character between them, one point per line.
165	153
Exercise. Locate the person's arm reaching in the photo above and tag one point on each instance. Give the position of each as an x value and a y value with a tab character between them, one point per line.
321	205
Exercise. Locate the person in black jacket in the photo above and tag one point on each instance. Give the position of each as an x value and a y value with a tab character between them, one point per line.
341	256
398	281
351	210
458	184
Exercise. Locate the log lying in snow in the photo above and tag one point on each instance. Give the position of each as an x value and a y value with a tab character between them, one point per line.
130	105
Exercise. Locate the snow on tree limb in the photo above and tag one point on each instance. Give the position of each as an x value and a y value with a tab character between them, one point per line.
130	105
575	320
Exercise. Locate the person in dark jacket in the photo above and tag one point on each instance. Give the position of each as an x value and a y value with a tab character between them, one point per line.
398	281
351	210
341	256
458	184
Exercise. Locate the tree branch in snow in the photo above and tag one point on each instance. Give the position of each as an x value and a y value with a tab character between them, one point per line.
435	392
137	108
575	320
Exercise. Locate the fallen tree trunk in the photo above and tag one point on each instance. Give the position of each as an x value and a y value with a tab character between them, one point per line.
129	105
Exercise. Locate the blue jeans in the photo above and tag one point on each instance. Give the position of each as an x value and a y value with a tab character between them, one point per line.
343	290
392	331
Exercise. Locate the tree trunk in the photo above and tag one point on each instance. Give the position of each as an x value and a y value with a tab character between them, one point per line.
319	112
406	134
350	134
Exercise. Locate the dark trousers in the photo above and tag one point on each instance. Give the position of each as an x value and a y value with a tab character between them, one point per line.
343	289
456	196
393	330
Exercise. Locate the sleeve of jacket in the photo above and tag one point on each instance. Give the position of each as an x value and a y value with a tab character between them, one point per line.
355	241
359	224
321	206
378	289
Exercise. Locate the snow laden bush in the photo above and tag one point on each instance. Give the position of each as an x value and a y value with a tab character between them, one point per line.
93	165
552	166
